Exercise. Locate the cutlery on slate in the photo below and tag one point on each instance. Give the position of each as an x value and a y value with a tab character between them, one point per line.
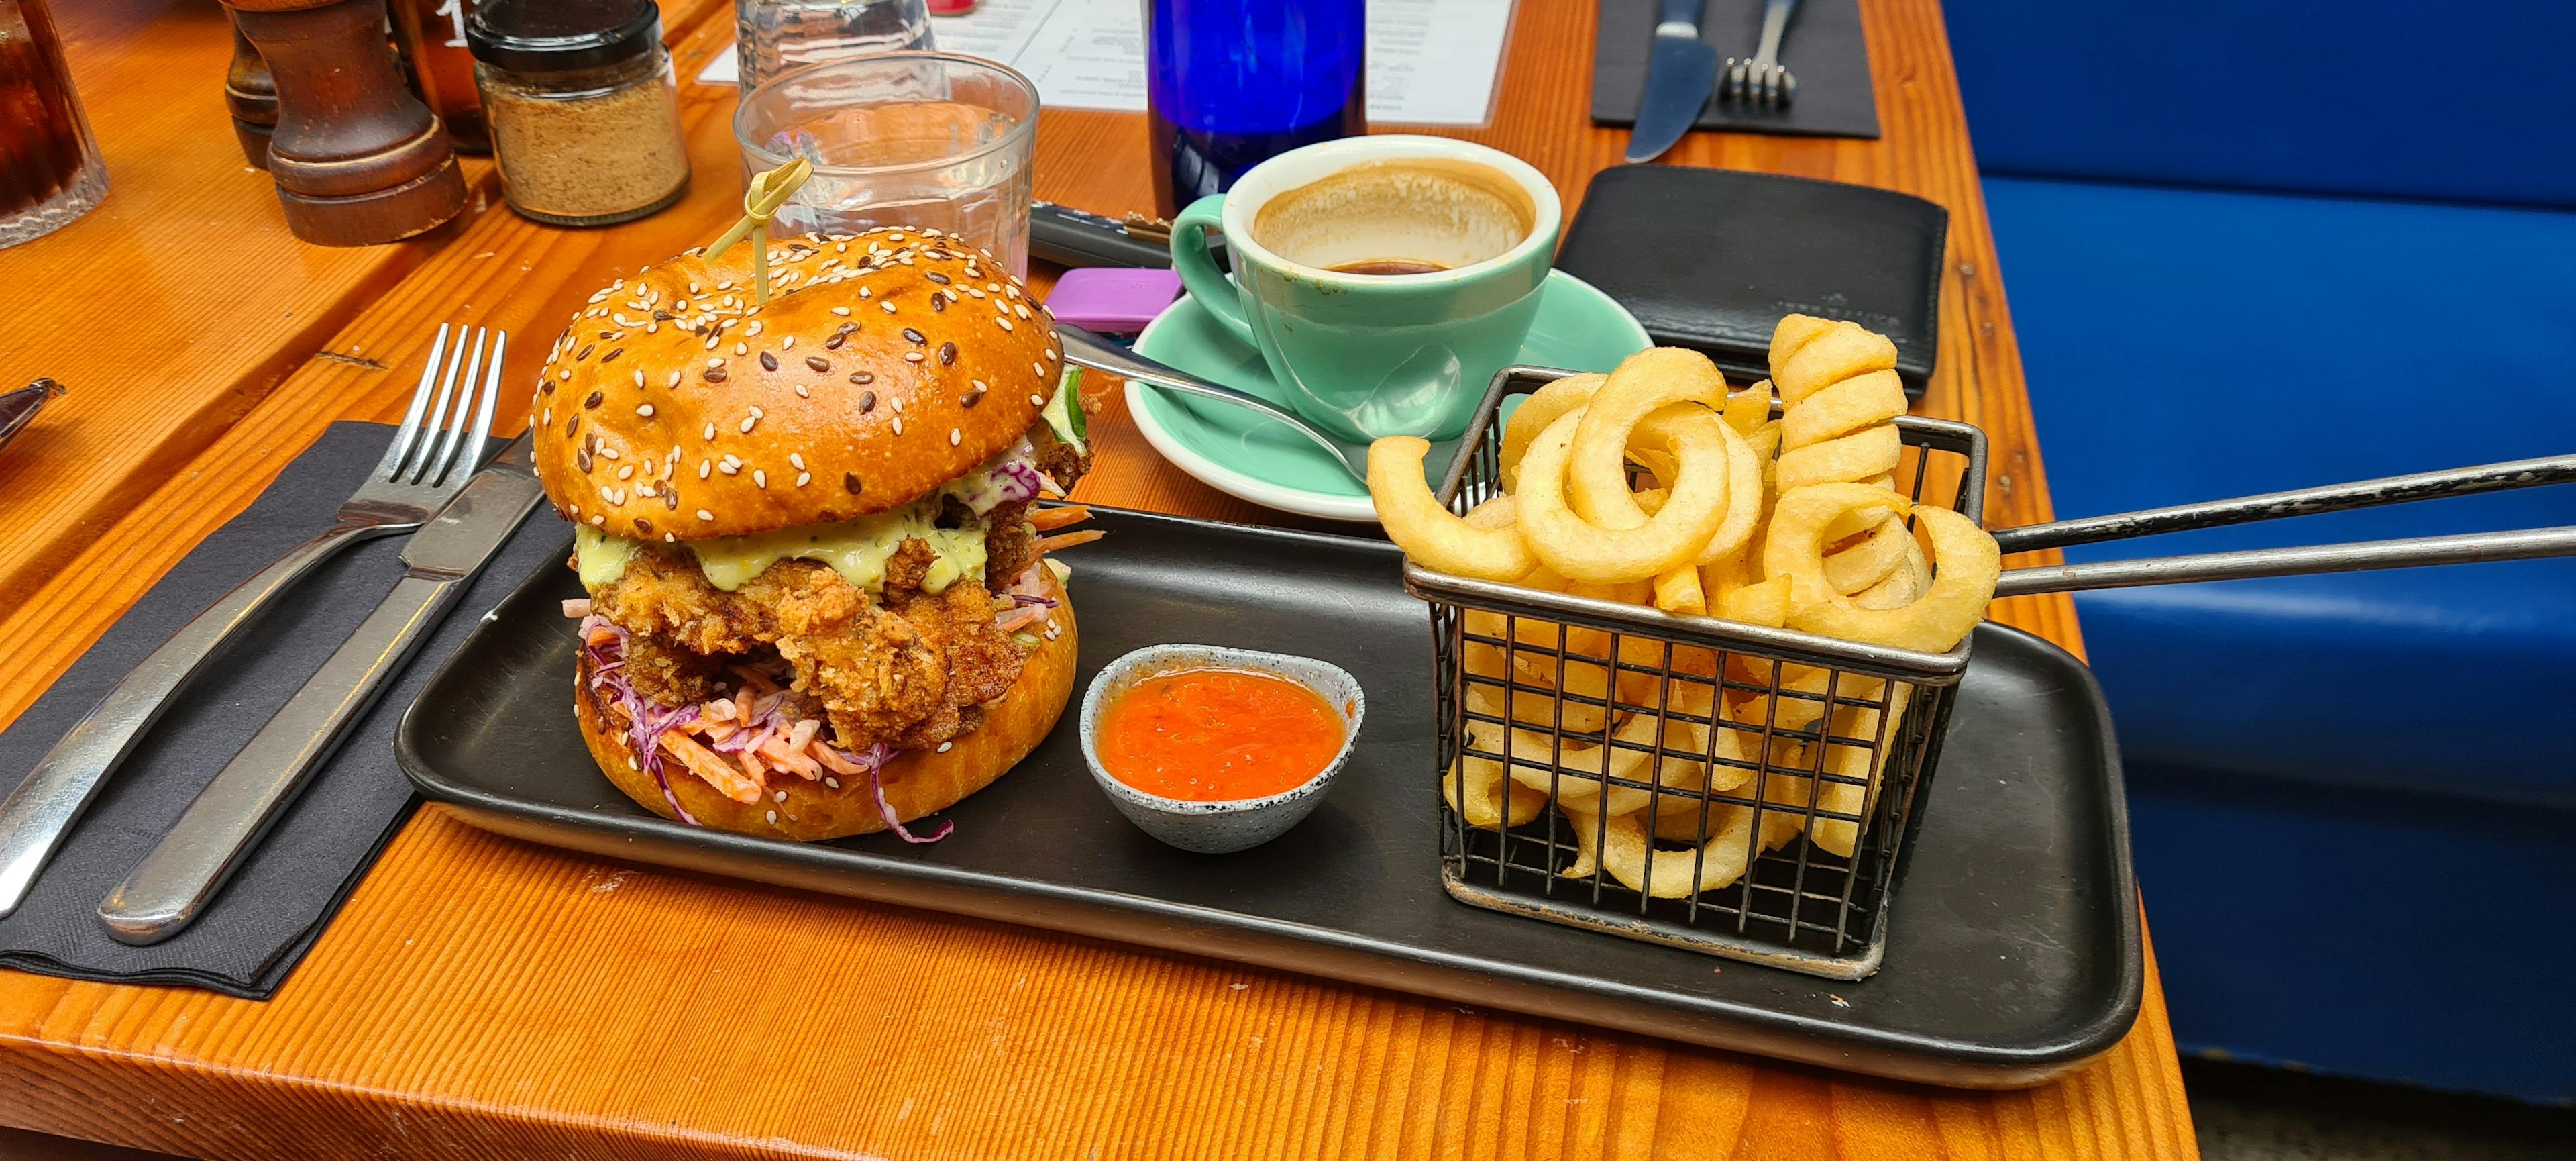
1761	80
173	883
423	468
1679	75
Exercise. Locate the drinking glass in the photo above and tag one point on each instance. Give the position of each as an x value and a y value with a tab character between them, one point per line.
50	172
1230	84
776	37
921	139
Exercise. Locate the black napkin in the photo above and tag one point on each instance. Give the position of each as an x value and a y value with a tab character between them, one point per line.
254	933
1822	47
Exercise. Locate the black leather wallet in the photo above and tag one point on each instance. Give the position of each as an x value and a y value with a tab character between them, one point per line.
1711	258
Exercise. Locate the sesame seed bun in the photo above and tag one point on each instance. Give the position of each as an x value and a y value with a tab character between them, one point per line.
886	364
917	782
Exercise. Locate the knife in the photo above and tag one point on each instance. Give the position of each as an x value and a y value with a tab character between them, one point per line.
1679	78
172	884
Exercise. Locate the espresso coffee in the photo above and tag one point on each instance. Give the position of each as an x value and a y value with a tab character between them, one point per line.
1387	266
1401	215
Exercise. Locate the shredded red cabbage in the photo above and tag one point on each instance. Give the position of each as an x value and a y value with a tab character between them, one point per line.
874	761
1033	599
645	721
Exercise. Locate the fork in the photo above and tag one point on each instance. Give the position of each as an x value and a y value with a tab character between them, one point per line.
427	463
1762	79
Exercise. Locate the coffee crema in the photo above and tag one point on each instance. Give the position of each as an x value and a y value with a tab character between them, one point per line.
1402	215
1387	266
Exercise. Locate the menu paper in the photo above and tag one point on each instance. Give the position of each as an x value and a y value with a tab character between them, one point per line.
1430	62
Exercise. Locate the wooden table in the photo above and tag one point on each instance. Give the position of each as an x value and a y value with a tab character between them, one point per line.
483	998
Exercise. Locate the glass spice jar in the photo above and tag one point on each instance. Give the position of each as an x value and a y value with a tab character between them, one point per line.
583	108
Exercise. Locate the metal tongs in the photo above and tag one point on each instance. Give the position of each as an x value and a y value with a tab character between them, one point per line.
2362	556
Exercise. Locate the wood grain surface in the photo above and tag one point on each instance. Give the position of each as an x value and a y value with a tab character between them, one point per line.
481	998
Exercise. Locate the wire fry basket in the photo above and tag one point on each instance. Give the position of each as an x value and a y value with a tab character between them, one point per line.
1778	771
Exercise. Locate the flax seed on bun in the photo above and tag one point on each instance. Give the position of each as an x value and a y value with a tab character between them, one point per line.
886	364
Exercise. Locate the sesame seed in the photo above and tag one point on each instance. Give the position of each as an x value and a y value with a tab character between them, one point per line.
832	782
1039	369
716	375
937	277
820	364
944	747
862	378
842	311
787	342
548	419
898	425
912	356
1034	401
798	459
954	435
606	453
673	381
802	393
626	473
804	478
703	514
768	362
782	796
947	354
705	468
759	478
753	331
1023	311
715	364
867	399
850	482
740	348
888	307
1050	354
773	818
645	410
596	520
593	401
747	424
711	431
863	292
1001	322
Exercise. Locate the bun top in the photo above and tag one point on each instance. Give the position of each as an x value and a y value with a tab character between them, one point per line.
886	364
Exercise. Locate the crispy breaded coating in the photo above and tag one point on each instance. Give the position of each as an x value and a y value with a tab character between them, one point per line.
909	673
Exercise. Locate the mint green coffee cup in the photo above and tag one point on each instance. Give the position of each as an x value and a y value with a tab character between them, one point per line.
1383	279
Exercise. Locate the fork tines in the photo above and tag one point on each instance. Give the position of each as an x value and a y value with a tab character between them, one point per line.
426	449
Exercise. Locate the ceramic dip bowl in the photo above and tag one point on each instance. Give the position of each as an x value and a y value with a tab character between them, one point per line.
1221	827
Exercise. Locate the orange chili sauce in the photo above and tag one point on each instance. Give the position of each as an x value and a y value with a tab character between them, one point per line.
1217	735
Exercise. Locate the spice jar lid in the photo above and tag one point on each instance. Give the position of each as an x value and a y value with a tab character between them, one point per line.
552	36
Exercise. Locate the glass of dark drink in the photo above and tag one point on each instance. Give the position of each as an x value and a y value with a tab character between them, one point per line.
49	167
1233	83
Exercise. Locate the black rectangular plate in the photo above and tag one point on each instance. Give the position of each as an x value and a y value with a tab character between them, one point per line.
2013	950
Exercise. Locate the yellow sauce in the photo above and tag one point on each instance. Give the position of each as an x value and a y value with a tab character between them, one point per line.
856	549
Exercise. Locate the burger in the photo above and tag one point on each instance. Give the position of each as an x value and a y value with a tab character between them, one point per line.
819	600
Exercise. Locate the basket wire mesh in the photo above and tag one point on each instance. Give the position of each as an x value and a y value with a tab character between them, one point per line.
1761	783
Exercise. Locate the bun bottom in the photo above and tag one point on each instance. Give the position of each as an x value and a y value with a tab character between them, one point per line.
917	782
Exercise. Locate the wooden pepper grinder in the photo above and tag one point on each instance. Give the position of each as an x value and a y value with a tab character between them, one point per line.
357	159
252	98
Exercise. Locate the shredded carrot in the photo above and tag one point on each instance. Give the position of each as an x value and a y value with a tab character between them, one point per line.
834	762
1014	620
1050	519
601	635
779	755
753	767
756	681
708	765
1068	540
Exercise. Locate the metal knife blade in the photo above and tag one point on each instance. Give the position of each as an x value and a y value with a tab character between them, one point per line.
1680	76
185	869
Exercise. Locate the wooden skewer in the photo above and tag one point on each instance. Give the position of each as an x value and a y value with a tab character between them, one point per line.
769	190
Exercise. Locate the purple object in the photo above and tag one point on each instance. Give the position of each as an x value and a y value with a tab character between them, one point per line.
1113	301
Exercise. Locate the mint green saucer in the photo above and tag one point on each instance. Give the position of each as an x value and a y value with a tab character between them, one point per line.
1242	454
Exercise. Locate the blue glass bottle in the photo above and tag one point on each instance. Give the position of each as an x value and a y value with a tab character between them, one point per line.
1231	83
